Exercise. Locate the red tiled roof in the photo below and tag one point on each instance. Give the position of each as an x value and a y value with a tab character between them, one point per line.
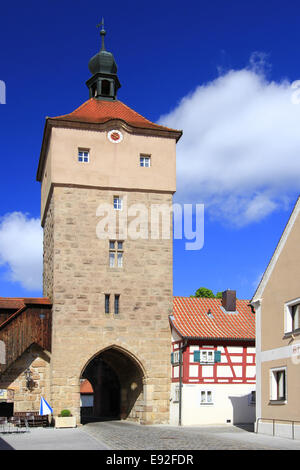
85	387
191	319
100	111
95	113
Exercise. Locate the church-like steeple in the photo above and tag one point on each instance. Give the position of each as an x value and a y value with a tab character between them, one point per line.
104	83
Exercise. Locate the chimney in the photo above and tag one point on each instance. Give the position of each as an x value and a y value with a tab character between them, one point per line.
229	300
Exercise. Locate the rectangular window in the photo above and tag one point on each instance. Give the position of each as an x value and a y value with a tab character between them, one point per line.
117	304
295	314
252	398
118	203
176	394
107	296
120	260
206	397
145	161
83	156
176	356
278	385
206	356
292	316
111	259
115	254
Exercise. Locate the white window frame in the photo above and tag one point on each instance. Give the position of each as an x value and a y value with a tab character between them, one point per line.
205	354
176	356
176	394
84	158
288	315
274	384
117	203
206	402
144	159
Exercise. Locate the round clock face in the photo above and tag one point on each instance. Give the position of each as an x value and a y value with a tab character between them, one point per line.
115	136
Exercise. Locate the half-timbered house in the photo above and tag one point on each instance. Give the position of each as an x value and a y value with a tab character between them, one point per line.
213	361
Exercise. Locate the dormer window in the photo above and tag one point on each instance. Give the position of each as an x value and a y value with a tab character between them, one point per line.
145	161
83	156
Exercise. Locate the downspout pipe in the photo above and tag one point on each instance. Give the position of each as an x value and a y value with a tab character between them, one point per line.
182	348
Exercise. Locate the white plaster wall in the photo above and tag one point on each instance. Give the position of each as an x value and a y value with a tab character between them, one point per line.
230	402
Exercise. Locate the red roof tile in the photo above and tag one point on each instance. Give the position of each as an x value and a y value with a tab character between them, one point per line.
191	319
100	111
85	387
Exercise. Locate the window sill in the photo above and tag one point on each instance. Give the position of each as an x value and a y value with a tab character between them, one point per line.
277	402
289	334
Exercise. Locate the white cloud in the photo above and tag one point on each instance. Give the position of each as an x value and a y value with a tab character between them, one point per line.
21	249
240	149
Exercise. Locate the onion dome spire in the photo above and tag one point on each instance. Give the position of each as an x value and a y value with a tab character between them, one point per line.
104	82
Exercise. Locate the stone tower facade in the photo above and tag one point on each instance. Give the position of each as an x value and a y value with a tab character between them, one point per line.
111	286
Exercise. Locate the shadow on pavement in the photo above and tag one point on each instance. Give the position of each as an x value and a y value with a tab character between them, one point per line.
245	427
4	445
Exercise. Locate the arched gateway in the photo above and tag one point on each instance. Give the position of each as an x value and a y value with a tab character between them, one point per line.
117	381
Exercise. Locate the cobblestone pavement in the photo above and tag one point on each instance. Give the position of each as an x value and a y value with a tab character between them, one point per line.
121	435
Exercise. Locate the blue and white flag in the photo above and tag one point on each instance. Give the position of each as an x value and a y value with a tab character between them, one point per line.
45	408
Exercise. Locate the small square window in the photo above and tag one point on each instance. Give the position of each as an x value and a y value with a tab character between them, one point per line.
206	356
83	156
206	397
145	161
118	203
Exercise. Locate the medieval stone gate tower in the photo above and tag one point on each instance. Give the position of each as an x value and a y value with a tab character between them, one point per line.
111	295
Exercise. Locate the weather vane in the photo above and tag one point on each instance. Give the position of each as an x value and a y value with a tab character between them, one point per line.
102	33
101	24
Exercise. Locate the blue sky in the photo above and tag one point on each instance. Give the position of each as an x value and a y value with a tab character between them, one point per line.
232	64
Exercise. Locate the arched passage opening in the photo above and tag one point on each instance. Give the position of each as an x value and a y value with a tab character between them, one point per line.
117	382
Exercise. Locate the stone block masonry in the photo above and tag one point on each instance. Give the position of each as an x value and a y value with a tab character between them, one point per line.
76	278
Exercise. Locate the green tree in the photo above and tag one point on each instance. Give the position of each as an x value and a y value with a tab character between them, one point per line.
207	293
204	292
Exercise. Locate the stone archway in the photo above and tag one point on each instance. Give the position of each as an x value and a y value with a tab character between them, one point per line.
117	381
